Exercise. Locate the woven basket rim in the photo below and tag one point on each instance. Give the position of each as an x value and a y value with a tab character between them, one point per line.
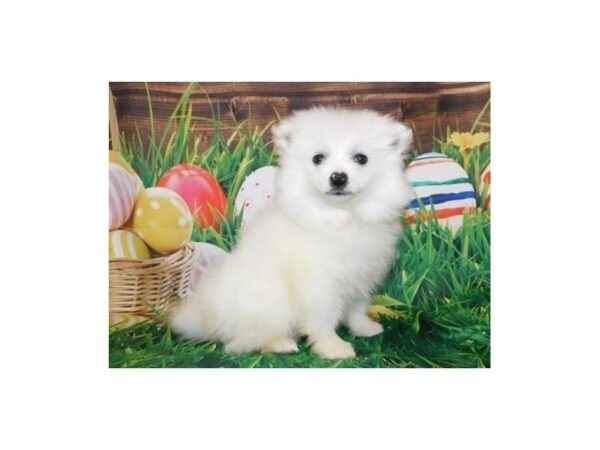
183	255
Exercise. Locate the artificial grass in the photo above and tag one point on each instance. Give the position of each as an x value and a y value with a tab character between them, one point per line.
435	300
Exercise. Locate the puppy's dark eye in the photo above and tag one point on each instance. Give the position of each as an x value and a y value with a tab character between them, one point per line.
318	158
361	158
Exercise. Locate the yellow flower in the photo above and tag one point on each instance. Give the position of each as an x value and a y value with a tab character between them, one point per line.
468	141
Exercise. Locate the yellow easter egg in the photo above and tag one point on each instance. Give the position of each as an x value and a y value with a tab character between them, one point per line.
162	219
125	244
117	158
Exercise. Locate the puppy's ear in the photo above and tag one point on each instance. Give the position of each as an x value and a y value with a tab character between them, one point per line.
401	137
282	135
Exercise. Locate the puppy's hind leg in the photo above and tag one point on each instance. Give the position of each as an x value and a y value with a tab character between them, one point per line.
193	319
286	345
261	319
244	345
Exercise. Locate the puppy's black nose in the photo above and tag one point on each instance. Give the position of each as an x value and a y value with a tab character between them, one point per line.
338	179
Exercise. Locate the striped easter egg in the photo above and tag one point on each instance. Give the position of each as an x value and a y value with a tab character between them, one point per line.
117	158
121	195
125	244
484	186
440	182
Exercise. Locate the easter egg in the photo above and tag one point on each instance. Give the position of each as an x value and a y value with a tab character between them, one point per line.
121	195
162	219
117	158
200	191
125	244
484	186
440	183
209	256
256	192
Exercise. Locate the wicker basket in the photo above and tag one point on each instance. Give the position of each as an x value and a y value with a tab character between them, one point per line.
143	287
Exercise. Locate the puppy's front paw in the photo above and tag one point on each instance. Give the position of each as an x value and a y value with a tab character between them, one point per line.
366	328
281	346
333	348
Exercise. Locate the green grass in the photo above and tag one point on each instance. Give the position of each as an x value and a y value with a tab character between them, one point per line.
438	290
440	286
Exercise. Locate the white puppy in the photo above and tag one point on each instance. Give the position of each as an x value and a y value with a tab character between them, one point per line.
310	260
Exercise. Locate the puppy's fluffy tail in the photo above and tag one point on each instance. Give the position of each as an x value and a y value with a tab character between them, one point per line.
193	319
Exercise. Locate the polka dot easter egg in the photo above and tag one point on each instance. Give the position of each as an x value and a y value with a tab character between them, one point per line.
484	186
162	219
440	183
125	244
121	195
256	192
209	256
200	191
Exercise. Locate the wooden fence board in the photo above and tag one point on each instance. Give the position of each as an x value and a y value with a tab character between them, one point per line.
427	106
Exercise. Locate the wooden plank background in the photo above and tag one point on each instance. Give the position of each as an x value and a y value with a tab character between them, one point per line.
426	106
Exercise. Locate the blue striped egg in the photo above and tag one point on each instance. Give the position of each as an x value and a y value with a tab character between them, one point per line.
440	182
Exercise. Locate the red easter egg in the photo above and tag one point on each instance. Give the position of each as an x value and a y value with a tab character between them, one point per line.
201	192
484	184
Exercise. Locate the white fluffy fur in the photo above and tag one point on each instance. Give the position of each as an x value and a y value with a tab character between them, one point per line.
310	261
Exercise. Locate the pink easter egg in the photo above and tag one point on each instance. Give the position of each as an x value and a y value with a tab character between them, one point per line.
121	195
